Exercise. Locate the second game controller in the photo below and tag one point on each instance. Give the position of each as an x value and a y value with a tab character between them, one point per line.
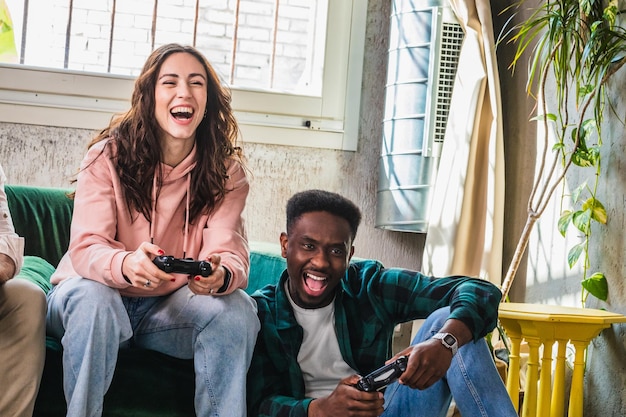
383	376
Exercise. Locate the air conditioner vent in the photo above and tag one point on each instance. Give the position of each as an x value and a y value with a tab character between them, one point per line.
451	40
424	47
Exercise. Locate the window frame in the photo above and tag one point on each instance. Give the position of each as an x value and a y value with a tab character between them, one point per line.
76	99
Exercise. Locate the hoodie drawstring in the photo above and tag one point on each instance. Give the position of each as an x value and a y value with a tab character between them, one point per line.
187	205
187	216
153	213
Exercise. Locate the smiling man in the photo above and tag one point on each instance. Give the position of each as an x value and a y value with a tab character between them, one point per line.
328	321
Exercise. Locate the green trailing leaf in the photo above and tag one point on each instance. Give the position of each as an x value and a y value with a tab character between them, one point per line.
594	155
596	210
579	139
540	118
582	158
581	220
578	191
574	254
597	286
564	221
589	125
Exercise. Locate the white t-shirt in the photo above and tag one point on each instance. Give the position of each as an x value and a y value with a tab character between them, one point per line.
319	357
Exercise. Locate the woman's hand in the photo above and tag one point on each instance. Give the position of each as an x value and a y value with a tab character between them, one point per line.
347	400
209	285
141	272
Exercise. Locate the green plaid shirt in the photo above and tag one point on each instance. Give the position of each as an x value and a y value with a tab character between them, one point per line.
371	301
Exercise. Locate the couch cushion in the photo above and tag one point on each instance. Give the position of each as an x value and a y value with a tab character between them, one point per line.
145	384
266	265
43	217
38	271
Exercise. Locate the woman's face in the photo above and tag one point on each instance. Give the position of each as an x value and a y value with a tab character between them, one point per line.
180	98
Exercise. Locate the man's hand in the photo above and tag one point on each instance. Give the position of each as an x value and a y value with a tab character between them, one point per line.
428	363
430	360
347	400
7	268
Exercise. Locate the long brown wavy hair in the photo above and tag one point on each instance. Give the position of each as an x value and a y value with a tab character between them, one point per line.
138	151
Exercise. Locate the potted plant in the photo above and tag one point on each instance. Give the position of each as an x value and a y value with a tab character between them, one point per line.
572	49
577	46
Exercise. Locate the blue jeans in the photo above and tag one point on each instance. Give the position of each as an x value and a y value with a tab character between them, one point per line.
472	380
94	321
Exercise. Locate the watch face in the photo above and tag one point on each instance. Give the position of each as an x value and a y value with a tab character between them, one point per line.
449	339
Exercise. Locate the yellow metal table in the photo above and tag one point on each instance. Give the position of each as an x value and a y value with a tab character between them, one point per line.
539	325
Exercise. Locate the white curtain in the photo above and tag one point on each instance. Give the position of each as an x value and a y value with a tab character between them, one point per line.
465	229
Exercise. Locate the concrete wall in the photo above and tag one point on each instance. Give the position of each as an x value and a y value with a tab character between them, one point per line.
47	156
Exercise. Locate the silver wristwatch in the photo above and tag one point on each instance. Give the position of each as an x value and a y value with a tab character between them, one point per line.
449	341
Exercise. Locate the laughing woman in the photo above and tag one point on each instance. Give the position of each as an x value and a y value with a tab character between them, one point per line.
164	178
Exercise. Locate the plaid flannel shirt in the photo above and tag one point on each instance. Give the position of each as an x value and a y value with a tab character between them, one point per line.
370	302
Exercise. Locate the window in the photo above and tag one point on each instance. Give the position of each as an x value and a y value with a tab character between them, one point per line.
294	66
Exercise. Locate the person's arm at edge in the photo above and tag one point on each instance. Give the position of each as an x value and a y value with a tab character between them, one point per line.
93	249
474	304
11	245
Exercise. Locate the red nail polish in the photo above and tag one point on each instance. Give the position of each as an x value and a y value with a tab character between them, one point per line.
161	252
197	278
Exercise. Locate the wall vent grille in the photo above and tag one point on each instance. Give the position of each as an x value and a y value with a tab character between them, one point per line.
425	43
451	40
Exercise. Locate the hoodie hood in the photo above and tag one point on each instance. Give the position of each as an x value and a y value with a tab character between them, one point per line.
172	174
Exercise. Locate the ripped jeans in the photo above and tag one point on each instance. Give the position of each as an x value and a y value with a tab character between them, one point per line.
472	380
93	321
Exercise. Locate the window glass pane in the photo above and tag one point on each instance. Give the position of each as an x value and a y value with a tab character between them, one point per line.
132	33
46	45
89	35
275	45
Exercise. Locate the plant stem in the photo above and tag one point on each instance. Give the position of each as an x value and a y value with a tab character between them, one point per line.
522	243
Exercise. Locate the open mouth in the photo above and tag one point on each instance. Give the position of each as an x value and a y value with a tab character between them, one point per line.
315	283
182	113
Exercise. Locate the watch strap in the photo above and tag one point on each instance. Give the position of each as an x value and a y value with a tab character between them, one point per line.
227	276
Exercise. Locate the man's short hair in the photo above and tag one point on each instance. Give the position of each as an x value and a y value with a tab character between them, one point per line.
320	200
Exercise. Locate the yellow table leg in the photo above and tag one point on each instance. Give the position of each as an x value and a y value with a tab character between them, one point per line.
576	393
512	380
545	379
557	408
529	407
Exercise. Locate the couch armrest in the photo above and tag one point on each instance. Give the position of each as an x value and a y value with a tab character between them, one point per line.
38	271
42	216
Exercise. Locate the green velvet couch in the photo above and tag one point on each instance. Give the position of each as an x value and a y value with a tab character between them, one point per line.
146	383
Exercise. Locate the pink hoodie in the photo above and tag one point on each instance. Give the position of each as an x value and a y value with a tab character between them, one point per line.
102	232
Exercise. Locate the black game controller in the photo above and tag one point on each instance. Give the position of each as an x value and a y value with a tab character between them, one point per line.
170	264
383	376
